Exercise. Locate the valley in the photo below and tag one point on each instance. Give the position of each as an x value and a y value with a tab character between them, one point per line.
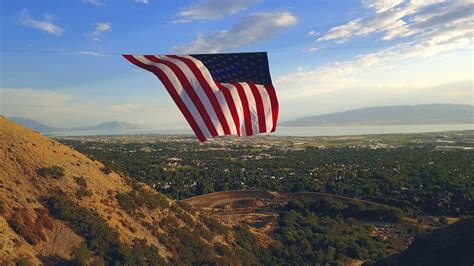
166	199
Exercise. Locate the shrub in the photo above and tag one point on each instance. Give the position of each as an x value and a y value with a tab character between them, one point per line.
140	197
126	202
81	255
3	209
106	170
215	226
185	217
82	191
81	181
55	172
185	206
222	250
99	237
168	223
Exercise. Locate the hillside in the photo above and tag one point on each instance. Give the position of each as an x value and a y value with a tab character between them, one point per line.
452	245
57	205
40	127
392	115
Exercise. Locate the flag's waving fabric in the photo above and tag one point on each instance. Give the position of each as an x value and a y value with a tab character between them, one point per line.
218	94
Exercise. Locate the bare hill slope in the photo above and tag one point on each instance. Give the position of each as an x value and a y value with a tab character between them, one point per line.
53	198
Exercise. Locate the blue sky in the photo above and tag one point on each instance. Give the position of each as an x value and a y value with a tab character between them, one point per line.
61	64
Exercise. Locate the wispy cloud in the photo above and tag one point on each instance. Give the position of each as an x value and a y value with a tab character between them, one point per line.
89	53
99	29
381	6
398	19
437	28
142	1
248	30
212	9
94	2
312	33
46	25
123	107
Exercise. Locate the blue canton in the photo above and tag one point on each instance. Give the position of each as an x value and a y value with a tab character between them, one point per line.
237	67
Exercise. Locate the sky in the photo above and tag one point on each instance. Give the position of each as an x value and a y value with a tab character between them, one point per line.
61	64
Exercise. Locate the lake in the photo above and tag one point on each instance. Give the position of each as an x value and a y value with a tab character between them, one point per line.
295	131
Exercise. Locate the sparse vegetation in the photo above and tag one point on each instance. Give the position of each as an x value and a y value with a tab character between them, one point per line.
55	172
215	226
100	238
82	191
81	255
31	229
3	209
140	197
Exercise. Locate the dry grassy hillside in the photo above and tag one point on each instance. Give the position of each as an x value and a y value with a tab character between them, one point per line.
46	186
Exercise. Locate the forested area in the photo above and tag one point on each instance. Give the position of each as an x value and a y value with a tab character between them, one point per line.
412	177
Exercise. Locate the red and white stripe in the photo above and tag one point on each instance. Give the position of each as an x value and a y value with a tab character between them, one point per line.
212	108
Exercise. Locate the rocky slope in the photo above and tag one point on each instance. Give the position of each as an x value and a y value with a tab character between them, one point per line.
452	245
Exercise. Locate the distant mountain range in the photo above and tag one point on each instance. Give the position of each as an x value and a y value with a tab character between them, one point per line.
392	115
40	127
34	125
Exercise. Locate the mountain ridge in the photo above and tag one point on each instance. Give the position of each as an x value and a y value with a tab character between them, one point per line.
392	115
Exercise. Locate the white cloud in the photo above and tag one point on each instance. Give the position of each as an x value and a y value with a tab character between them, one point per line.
100	28
90	53
381	6
248	30
368	60
397	19
453	34
213	9
316	81
313	49
441	28
342	31
312	33
94	2
341	75
142	1
46	25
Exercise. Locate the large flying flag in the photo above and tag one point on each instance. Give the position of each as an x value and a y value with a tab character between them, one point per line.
218	94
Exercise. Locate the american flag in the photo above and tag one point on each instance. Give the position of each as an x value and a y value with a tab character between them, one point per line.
218	94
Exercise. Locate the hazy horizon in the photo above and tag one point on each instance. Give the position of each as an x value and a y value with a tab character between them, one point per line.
173	129
325	56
